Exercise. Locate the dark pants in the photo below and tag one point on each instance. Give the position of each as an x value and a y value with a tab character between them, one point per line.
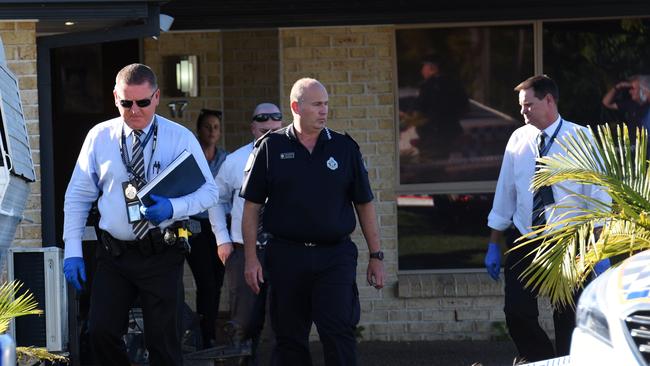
157	280
208	274
313	284
247	310
522	311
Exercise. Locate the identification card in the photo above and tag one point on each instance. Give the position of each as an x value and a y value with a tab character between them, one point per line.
132	203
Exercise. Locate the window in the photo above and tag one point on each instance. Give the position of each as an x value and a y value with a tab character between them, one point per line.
453	130
457	110
456	104
442	231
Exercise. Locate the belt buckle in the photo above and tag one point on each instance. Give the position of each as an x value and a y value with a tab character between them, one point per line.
310	244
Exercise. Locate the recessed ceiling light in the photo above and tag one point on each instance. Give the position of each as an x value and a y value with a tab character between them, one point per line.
69	23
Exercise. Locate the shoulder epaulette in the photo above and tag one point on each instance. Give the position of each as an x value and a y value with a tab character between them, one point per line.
262	138
351	139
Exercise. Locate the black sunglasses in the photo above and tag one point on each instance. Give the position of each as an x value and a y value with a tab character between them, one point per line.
142	103
263	117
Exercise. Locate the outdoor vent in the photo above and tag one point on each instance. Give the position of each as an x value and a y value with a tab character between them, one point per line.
639	326
41	272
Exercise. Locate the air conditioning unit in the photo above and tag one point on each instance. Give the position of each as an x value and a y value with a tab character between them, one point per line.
41	272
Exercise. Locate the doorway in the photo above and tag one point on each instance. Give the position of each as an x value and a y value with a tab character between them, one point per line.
83	78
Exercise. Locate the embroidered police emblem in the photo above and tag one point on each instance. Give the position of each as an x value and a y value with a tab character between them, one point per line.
332	164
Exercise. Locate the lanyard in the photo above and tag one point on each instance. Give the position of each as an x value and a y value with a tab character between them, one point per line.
550	142
153	131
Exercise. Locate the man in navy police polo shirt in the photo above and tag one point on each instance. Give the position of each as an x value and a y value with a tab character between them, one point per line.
309	181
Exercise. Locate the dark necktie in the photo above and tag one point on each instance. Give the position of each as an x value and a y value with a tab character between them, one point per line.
137	158
538	201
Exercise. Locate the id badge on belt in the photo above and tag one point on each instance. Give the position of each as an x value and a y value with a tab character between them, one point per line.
132	202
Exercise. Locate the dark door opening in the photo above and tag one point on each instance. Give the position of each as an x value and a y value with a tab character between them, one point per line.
83	78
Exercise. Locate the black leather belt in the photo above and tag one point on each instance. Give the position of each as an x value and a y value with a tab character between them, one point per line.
310	243
151	244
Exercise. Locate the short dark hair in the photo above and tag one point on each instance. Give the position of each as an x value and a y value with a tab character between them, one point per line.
204	114
541	85
137	74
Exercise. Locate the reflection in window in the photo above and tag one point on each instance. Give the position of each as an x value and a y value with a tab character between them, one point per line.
456	104
601	54
442	231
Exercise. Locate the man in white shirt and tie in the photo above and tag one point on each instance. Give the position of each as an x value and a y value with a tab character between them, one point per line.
516	208
246	309
134	260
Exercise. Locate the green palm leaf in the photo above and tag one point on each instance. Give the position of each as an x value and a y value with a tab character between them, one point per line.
569	247
12	306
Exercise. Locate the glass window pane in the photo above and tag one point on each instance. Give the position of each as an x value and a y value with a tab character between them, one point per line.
442	231
600	54
456	101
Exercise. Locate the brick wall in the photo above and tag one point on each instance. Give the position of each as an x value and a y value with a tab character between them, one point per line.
19	40
207	46
250	77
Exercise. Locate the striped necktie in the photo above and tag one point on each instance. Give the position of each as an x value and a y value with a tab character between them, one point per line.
538	202
141	227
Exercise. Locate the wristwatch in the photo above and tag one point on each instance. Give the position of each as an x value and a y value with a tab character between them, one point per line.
377	255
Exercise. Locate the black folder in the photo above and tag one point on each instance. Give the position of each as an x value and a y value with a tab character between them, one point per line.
181	177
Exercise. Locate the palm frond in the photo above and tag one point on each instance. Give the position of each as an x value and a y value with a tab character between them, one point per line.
568	247
12	306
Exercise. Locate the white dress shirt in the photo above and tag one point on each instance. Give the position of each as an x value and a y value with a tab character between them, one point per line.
229	181
513	198
100	168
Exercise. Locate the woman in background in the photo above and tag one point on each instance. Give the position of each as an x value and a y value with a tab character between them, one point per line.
206	267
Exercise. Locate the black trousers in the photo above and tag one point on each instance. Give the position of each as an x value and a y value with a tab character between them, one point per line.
313	284
208	274
157	280
522	313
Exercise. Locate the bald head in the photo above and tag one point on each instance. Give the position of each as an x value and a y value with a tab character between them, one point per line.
301	87
309	106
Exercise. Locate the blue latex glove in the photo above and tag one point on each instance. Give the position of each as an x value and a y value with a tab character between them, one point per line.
160	211
493	260
74	270
602	266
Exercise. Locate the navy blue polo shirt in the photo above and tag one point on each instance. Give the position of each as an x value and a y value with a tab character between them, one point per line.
309	197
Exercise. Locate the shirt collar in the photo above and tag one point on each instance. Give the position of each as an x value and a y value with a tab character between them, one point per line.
324	135
128	130
551	129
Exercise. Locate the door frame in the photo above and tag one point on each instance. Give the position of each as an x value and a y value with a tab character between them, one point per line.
45	44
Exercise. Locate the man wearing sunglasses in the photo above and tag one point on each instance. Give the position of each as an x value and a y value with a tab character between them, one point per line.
310	181
246	308
134	260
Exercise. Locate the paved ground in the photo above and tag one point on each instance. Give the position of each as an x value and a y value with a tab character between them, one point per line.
434	353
